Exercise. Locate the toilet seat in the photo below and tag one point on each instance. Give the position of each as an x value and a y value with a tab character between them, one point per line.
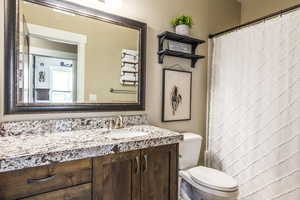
185	175
213	179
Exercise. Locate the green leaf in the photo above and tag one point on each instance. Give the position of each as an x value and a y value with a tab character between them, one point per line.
183	19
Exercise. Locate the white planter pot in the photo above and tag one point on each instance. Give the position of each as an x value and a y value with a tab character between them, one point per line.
182	29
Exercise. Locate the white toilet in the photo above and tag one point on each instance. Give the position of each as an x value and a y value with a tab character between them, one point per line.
201	183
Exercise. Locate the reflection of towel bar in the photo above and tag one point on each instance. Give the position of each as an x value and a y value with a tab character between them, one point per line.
122	91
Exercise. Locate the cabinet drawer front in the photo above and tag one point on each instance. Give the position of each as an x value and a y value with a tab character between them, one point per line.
28	182
81	192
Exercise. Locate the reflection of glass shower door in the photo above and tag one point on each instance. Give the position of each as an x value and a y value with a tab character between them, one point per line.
55	80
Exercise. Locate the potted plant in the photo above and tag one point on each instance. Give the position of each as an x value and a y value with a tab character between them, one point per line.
182	24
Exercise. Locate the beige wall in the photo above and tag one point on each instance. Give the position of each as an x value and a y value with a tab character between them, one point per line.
157	14
253	9
51	45
223	14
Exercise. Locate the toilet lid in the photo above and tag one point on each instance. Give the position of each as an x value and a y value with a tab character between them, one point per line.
213	179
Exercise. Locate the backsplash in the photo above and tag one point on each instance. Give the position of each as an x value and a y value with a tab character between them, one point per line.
64	125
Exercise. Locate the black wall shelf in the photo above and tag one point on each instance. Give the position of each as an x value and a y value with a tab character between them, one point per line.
178	38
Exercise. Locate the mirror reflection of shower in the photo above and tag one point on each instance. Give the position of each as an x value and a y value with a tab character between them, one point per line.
52	73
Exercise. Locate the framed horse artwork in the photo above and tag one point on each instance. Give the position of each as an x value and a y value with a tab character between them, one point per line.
177	95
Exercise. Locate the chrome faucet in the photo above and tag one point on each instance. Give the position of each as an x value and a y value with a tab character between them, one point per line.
119	122
111	124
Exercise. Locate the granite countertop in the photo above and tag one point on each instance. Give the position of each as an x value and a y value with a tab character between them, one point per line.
24	151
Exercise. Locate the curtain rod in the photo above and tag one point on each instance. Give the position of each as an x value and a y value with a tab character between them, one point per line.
255	21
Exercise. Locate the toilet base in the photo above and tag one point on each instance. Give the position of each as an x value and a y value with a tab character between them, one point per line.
188	192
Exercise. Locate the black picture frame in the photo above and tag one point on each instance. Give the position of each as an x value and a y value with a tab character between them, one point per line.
164	93
11	58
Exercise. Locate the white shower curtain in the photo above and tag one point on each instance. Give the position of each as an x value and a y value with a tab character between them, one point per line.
254	118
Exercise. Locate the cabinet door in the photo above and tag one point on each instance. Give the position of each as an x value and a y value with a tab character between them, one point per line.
117	177
159	173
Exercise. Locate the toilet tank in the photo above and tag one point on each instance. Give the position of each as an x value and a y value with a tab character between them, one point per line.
189	150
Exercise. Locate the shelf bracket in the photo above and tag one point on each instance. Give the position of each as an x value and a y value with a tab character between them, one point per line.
194	47
161	42
193	62
161	58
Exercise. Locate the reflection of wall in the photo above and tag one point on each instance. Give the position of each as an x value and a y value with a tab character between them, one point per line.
157	14
103	49
252	9
51	45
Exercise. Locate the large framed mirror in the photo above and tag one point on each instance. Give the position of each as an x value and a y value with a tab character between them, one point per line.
61	56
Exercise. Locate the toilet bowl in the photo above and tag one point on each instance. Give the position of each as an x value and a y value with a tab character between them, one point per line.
198	182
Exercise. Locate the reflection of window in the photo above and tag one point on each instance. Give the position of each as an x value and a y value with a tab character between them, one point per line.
61	84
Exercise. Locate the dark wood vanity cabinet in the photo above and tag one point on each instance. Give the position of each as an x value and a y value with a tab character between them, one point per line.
148	174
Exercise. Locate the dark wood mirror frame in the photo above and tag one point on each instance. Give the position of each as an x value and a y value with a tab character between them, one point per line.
11	27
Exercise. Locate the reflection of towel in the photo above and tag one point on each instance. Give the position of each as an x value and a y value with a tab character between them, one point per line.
129	65
130	52
130	60
129	83
130	68
130	56
129	77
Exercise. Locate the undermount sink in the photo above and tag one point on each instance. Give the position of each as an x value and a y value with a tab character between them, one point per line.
123	134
